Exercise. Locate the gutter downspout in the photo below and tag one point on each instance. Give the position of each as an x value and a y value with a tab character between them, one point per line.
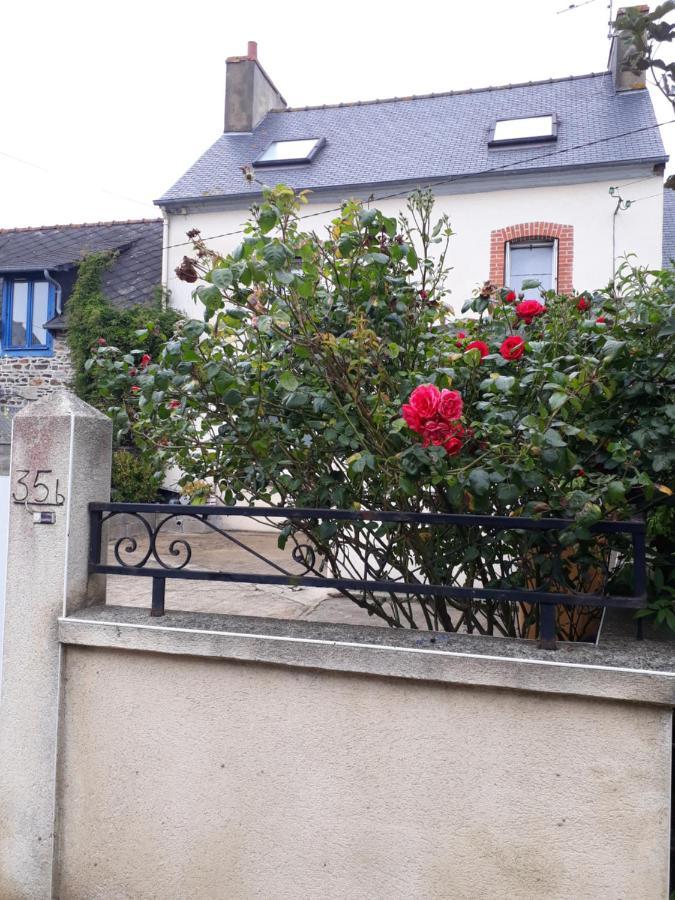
57	289
165	259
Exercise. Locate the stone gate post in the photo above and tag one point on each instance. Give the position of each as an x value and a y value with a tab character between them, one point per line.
61	457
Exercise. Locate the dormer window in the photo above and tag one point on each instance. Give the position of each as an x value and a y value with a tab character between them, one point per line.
285	153
525	130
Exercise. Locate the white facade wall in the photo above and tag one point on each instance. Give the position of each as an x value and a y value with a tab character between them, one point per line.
588	207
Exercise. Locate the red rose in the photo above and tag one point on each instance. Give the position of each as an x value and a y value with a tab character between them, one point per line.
424	400
583	304
461	337
513	347
174	404
481	346
412	417
436	432
135	389
529	309
146	359
101	342
600	320
580	472
510	297
133	371
453	446
423	295
444	434
451	405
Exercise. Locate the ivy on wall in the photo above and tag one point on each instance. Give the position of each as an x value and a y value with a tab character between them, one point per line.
92	319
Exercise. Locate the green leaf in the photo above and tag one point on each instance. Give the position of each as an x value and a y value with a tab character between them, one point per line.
508	493
222	278
274	254
504	383
556	400
408	486
552	437
590	514
289	382
530	284
284	277
379	258
367	216
296	400
479	481
616	492
612	347
411	258
268	219
231	397
360	461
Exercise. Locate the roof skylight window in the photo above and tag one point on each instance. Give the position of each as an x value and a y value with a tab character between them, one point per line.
283	153
524	130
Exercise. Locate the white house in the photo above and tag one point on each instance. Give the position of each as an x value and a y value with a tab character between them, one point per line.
524	172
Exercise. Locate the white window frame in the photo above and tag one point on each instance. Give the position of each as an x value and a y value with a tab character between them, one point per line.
541	242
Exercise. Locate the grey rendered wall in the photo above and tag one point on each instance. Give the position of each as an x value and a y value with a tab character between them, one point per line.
208	778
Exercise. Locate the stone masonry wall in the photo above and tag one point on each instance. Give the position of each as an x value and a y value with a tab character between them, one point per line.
27	378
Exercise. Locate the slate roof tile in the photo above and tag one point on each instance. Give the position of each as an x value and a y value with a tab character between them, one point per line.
133	277
433	137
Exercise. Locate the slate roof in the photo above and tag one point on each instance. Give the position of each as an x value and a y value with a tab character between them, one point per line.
134	275
668	228
433	137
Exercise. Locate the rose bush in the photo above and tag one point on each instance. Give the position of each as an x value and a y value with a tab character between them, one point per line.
328	371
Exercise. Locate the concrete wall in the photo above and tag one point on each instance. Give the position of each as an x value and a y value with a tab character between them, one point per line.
200	757
209	778
4	520
588	207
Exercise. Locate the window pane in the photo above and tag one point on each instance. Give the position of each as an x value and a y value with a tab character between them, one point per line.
282	150
40	313
531	261
19	313
514	129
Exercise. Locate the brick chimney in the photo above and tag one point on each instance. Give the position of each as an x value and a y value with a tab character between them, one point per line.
621	47
249	92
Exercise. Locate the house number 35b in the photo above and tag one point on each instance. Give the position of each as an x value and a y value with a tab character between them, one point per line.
38	487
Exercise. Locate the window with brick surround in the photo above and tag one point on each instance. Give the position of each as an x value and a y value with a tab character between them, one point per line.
539	235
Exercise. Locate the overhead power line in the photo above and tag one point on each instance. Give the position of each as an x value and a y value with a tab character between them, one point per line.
64	173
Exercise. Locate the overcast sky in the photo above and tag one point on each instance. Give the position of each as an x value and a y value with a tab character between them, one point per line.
110	107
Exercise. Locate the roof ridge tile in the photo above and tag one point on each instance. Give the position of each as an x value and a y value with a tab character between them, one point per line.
438	94
28	228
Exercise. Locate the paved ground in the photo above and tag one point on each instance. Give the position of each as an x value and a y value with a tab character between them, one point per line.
216	553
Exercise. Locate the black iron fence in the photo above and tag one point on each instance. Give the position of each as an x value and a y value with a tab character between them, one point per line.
377	551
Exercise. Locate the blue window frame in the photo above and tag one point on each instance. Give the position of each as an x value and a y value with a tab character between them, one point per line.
26	305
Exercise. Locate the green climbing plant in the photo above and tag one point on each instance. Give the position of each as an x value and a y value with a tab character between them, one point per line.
94	322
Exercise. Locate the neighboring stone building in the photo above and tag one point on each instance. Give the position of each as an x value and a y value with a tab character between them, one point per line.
524	172
38	270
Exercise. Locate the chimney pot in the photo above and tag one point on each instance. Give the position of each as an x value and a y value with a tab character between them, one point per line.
252	51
